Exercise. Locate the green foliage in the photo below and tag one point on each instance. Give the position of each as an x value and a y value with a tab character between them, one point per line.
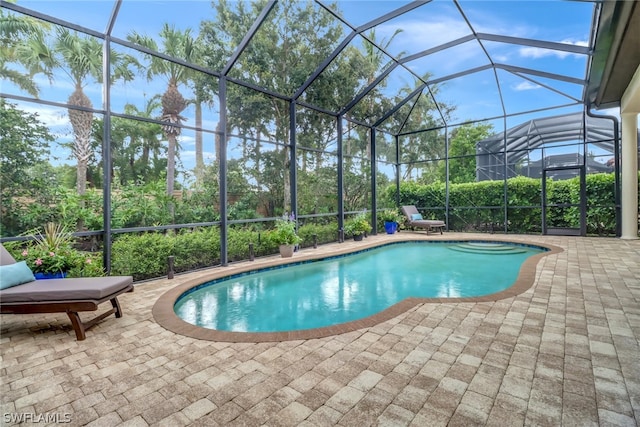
87	265
325	233
479	206
601	203
285	232
462	150
140	206
357	224
390	215
142	256
41	259
51	251
23	145
238	244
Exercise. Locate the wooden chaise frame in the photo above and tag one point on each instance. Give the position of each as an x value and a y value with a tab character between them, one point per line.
71	307
16	301
425	224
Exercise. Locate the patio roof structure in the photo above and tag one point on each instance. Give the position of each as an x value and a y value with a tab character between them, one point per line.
408	65
547	131
418	69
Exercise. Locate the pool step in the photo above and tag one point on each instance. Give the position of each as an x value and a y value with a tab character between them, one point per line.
487	248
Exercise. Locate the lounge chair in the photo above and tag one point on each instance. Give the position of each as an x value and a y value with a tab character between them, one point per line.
415	220
61	295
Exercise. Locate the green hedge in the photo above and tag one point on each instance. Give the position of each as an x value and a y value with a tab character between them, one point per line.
144	256
479	206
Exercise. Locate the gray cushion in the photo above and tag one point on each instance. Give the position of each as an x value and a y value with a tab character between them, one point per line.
82	288
429	222
5	257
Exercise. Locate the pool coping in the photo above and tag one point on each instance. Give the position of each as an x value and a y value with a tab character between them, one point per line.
164	314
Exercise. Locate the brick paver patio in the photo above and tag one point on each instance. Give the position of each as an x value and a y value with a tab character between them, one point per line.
564	352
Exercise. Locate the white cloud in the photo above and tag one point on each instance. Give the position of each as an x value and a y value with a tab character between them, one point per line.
536	52
423	33
53	118
526	85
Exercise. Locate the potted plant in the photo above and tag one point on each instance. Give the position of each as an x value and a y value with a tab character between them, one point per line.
285	235
50	254
357	226
391	219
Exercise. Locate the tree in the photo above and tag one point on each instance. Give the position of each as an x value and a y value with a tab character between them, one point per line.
24	144
137	153
178	44
21	43
462	152
285	51
79	57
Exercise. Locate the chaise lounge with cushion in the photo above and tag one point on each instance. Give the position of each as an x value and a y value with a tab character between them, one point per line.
415	220
20	293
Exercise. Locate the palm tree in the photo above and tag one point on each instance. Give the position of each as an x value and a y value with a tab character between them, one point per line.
80	58
22	43
177	44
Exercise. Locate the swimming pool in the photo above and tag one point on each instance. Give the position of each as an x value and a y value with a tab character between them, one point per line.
345	290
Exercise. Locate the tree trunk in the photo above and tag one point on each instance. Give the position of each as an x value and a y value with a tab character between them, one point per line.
81	124
171	163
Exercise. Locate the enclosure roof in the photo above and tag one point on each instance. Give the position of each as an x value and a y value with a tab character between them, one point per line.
563	128
469	60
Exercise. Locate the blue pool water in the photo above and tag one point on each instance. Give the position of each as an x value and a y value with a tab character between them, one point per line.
350	287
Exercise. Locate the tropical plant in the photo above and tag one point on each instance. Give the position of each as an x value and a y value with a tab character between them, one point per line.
50	250
357	225
178	44
390	215
42	260
77	56
80	58
20	38
285	231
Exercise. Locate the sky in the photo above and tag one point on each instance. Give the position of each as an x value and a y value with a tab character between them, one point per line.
476	95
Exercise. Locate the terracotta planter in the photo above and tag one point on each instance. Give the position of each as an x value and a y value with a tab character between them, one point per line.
286	251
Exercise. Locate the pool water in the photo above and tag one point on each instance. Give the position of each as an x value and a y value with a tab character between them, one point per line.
350	287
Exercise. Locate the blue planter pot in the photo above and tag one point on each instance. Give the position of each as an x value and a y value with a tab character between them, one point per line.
57	275
390	227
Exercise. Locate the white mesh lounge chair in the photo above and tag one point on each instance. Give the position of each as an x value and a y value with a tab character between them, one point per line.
415	220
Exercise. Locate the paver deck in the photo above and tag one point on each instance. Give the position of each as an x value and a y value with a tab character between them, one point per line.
566	351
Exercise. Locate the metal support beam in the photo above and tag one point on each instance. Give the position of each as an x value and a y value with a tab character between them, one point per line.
248	36
616	167
106	157
293	169
374	202
340	174
562	47
222	159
